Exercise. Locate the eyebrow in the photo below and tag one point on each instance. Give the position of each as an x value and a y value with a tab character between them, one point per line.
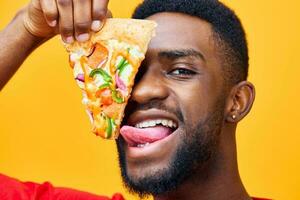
180	53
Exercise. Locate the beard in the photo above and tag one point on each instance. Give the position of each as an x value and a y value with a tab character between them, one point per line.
197	146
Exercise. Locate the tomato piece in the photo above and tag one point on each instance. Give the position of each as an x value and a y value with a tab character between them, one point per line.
113	110
105	95
99	131
99	56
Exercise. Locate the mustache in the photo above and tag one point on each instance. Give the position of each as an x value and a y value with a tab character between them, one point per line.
133	106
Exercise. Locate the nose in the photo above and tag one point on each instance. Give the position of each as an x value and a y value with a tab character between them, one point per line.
149	87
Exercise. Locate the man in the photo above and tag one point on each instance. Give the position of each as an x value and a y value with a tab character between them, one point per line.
193	81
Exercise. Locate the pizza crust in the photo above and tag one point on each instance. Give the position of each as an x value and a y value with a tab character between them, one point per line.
133	31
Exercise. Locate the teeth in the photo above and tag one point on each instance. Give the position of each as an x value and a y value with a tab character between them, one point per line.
165	122
170	123
153	123
142	145
147	124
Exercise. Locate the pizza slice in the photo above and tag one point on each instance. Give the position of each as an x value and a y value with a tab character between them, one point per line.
105	67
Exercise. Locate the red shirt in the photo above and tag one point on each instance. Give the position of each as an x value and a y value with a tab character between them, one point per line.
12	189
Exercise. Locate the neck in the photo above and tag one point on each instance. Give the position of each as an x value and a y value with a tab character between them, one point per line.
218	180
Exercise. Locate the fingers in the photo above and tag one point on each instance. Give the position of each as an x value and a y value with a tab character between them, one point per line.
82	19
99	11
50	11
74	19
65	9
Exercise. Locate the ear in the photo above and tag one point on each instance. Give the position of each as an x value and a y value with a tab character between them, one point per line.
240	102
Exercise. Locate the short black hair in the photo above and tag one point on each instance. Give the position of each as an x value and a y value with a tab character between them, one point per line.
227	29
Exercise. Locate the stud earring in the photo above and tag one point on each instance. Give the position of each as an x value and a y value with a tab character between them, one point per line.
233	116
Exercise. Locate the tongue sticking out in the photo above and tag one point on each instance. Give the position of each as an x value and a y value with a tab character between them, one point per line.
134	136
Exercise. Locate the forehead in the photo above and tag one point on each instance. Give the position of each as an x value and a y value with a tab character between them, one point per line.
179	31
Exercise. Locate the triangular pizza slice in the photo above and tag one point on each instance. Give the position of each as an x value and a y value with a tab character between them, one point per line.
105	68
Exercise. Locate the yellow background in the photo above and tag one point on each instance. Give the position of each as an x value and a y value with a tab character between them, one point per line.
44	131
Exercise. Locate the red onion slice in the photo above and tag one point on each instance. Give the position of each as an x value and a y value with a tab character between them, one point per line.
90	114
120	84
80	77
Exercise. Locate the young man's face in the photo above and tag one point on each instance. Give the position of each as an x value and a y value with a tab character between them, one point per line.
180	81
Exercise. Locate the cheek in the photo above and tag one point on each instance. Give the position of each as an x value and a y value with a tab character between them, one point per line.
194	100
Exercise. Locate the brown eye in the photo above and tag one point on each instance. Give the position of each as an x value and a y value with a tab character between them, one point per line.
182	72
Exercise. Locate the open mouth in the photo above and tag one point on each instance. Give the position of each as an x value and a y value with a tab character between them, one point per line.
143	133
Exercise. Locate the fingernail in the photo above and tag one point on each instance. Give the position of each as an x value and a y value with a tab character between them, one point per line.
83	37
96	25
69	40
53	23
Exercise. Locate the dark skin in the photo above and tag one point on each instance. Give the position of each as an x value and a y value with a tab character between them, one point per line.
183	68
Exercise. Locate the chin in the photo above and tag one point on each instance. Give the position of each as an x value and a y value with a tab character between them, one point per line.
152	173
150	160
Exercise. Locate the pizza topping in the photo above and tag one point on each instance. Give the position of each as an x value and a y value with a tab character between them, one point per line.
99	125
74	57
90	87
126	74
105	95
122	64
109	128
72	63
98	57
120	84
90	114
103	73
85	100
117	97
112	110
80	77
104	127
105	85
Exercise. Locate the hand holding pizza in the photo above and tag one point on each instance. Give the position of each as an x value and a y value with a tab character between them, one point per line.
73	19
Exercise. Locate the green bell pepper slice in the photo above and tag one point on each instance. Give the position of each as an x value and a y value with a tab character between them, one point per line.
105	85
109	129
122	65
121	69
103	73
116	97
